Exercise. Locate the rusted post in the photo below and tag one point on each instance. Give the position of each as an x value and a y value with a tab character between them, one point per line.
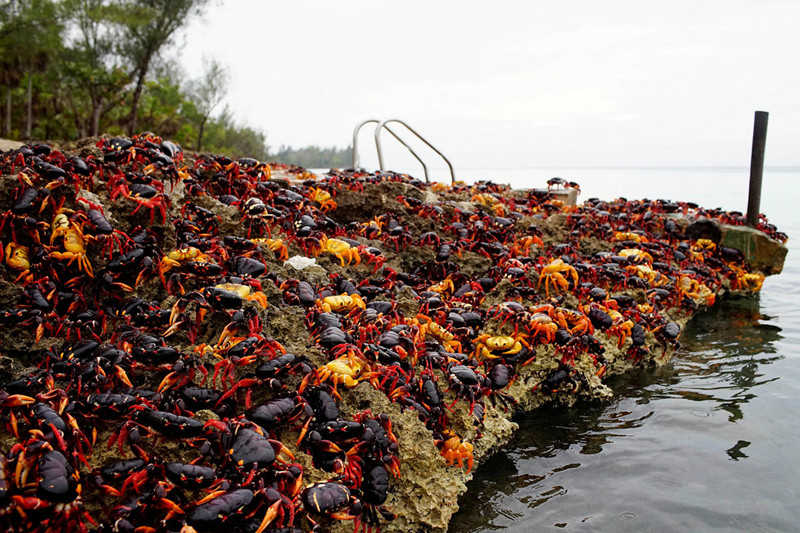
757	166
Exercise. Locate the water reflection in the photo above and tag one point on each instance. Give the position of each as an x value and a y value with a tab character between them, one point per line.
735	452
645	447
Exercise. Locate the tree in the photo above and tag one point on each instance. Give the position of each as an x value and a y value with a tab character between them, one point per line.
30	35
149	25
90	64
314	156
208	91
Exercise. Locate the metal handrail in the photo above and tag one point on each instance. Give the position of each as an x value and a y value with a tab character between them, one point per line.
355	139
401	141
381	125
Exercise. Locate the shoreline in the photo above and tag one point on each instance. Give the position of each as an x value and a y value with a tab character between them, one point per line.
495	261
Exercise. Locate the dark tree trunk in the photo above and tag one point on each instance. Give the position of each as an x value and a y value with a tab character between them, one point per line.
137	93
8	112
29	119
97	111
200	135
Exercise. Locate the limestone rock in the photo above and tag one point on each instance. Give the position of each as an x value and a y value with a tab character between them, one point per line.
299	262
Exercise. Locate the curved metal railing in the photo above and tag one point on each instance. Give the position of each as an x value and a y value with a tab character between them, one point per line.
401	141
382	125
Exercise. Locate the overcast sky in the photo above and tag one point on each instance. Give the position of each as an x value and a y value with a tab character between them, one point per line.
514	84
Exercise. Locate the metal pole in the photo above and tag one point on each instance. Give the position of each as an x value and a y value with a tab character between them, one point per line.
757	166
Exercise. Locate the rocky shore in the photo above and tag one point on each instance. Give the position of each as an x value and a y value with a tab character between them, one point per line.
402	325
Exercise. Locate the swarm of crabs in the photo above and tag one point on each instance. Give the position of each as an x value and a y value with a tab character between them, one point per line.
146	387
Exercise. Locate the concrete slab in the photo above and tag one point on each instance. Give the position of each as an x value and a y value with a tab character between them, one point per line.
761	252
568	196
7	144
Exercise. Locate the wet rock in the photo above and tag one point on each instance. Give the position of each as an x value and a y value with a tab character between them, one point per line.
761	252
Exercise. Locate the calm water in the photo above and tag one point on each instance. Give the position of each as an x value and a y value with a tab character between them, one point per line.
709	442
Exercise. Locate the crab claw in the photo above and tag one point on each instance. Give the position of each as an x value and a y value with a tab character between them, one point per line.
16	400
210	496
172	506
303	431
343	516
355	450
328	446
122	375
272	512
173	328
168	382
372	377
304	383
111	491
176	310
281	449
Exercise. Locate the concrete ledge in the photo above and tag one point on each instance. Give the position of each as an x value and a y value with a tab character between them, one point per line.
568	196
760	251
6	144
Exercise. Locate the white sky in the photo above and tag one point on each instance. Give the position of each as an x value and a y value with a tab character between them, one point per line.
513	84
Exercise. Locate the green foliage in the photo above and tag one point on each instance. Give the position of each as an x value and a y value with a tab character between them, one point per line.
101	66
315	156
30	34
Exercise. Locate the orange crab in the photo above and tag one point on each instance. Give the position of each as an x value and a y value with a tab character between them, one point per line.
485	199
541	325
346	370
700	248
554	275
490	201
639	256
628	236
522	246
17	258
276	245
500	346
443	287
245	292
340	249
428	326
73	241
621	327
323	198
653	277
573	321
177	257
744	281
373	228
453	450
695	290
340	303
